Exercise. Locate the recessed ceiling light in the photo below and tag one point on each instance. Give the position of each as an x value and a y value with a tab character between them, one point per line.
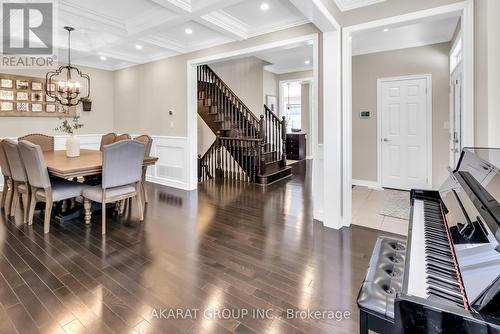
103	58
138	47
386	30
264	6
307	62
188	31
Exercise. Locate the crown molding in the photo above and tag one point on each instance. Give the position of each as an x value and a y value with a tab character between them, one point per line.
178	6
165	43
226	24
271	68
282	25
345	5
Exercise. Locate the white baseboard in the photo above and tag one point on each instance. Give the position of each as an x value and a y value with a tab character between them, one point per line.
368	184
309	157
168	183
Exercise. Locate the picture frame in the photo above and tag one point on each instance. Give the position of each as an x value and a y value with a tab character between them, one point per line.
49	98
22	96
6	83
36	107
272	103
6	106
22	84
6	95
36	97
50	108
22	107
36	85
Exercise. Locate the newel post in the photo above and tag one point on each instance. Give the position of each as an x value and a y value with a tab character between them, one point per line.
283	141
218	171
200	168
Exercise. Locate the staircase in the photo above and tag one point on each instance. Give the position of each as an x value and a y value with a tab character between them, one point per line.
247	148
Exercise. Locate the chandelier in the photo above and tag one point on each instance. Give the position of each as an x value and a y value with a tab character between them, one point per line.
60	84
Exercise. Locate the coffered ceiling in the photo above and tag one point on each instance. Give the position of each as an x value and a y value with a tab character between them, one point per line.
353	4
114	34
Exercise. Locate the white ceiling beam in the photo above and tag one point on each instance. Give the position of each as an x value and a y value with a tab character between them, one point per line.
225	24
165	43
177	6
318	13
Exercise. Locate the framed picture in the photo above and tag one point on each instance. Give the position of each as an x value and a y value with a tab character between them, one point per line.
6	95
36	85
6	83
49	99
22	96
6	106
22	84
22	107
272	103
36	107
50	108
36	97
51	87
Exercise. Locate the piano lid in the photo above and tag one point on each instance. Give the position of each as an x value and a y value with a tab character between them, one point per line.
478	172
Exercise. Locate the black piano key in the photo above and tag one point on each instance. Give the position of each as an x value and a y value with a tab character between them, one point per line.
451	294
452	282
443	273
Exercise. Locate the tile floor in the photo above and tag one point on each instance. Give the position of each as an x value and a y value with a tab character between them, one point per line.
366	206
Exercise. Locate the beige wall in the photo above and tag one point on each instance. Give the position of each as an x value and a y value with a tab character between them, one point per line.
270	85
161	85
306	114
99	120
366	69
245	77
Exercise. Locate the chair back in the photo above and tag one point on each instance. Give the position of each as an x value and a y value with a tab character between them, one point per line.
122	163
4	164
36	168
146	140
17	169
45	142
107	139
123	136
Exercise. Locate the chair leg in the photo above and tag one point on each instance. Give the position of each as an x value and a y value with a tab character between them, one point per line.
10	197
26	200
87	205
140	206
4	193
32	206
48	210
15	199
103	216
145	192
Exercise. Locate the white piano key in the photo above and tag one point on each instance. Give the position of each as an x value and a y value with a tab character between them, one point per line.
417	285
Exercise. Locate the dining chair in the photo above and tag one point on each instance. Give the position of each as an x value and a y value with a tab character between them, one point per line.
123	136
45	142
42	189
148	142
121	177
20	185
7	193
107	139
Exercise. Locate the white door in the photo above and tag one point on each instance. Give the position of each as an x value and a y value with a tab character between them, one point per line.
456	116
404	126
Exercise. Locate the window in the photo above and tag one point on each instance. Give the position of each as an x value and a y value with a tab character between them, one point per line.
292	104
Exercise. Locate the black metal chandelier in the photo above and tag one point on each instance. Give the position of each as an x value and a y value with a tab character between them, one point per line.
59	84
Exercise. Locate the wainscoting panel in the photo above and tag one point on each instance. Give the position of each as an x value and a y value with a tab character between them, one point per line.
170	170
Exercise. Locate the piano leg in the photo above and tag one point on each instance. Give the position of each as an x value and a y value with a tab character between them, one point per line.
363	322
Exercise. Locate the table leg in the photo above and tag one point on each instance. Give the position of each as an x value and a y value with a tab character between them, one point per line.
87	205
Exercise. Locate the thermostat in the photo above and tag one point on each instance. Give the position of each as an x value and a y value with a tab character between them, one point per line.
364	114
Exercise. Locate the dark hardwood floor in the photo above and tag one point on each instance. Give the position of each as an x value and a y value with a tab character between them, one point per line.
232	246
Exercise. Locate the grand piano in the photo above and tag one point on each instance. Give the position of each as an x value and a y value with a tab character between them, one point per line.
451	279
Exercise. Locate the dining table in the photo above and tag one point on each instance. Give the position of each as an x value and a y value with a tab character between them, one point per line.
87	164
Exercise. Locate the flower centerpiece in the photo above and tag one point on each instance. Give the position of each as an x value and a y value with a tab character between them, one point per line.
69	126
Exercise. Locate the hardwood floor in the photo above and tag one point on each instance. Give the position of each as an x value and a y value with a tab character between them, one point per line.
233	246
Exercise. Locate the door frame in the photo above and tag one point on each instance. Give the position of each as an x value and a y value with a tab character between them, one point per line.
428	125
465	9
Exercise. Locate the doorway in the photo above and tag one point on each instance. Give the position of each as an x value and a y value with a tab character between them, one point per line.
405	132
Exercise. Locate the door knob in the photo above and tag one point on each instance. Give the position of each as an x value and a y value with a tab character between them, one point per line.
386	140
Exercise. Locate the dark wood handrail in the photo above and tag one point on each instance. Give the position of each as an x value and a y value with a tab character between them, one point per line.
233	94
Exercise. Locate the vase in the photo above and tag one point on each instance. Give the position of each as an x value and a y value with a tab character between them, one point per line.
72	147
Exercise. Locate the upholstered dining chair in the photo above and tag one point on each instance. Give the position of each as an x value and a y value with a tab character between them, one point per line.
42	189
20	185
7	193
121	177
123	136
45	142
107	139
148	142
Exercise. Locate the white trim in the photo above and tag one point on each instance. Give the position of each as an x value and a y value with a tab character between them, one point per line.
369	184
465	9
272	69
428	78
192	112
343	6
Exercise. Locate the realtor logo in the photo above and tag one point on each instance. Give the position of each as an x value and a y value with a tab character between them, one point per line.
28	34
